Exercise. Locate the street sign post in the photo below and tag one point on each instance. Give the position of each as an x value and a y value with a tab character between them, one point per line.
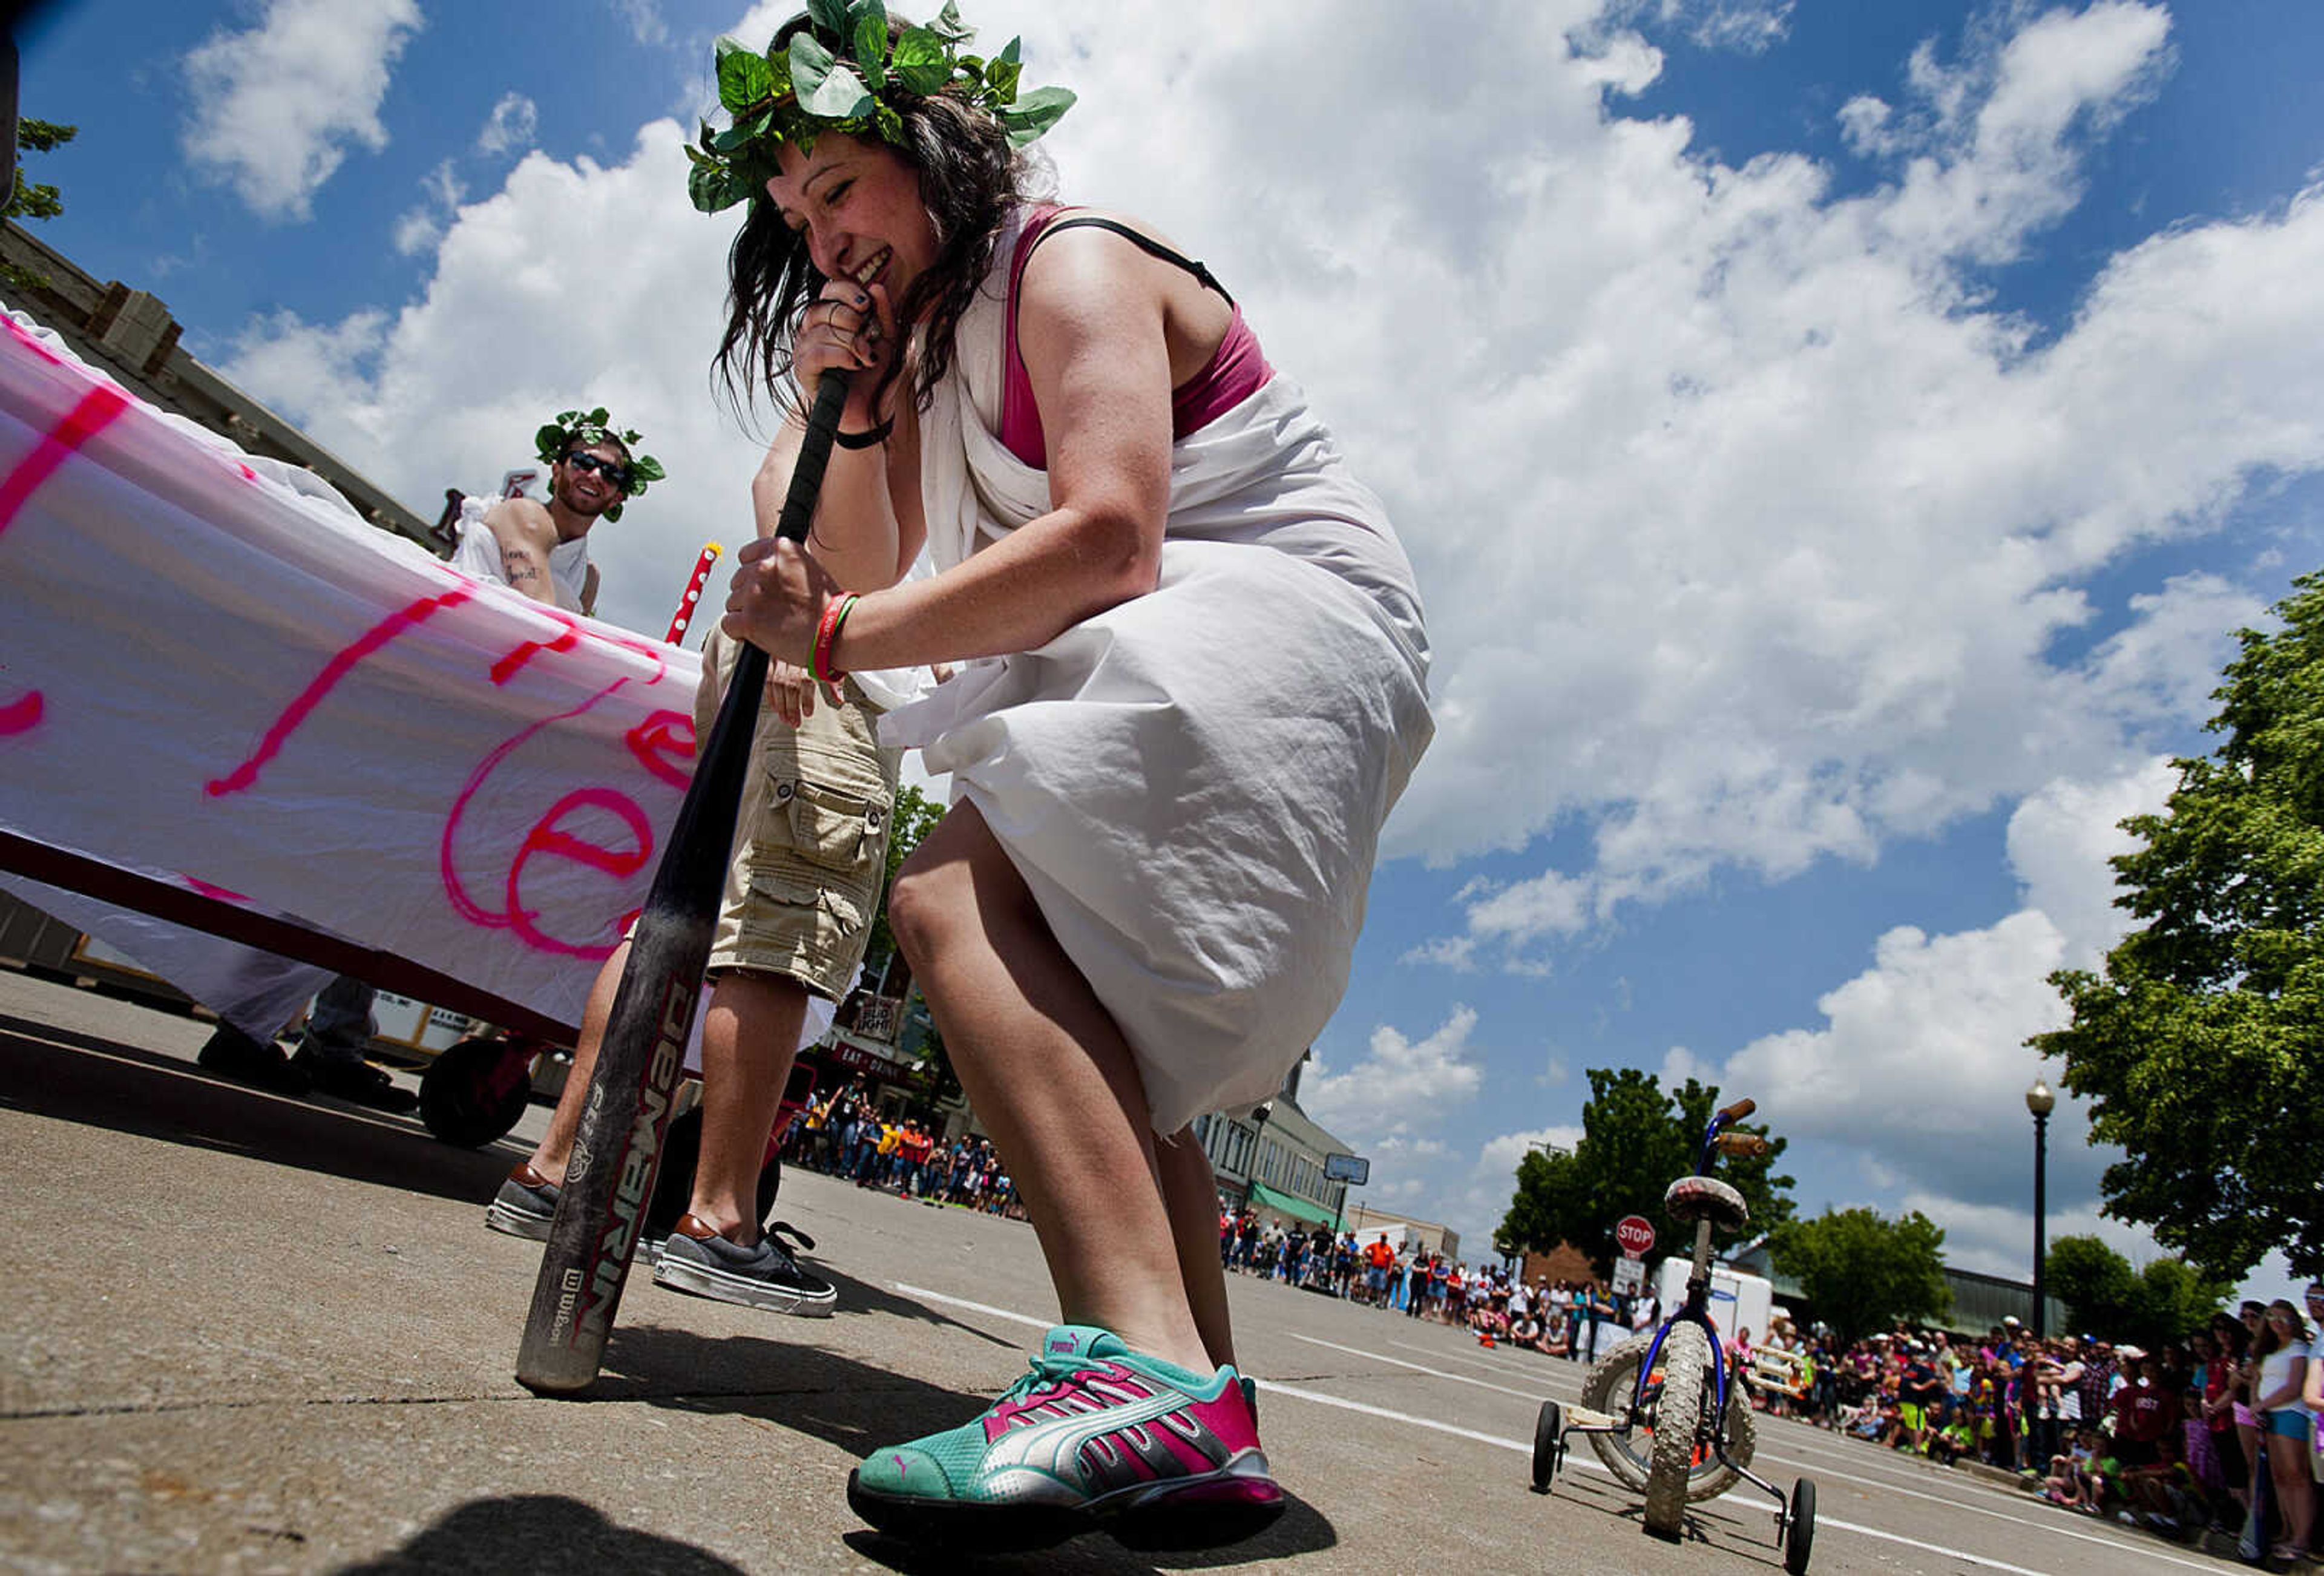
1355	1170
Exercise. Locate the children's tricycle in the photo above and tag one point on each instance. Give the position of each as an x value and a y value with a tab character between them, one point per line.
1660	1410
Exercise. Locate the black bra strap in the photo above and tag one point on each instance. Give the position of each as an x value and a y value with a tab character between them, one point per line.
1145	243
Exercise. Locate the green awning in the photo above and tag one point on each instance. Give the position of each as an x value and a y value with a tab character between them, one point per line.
1290	1204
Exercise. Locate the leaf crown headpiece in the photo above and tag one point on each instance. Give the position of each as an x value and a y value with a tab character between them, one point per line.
580	428
842	72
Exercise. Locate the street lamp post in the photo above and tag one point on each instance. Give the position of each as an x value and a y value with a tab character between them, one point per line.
2041	1103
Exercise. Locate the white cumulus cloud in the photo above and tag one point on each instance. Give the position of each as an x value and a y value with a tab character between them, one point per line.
276	106
510	126
448	390
1401	1086
1918	1069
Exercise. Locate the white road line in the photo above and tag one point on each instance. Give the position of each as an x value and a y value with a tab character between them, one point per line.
1417	1367
1465	1356
975	1307
1299	1392
1277	1387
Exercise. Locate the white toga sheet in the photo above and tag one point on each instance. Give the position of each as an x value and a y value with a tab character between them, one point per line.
1191	783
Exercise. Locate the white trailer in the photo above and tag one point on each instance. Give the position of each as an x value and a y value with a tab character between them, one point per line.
1738	1301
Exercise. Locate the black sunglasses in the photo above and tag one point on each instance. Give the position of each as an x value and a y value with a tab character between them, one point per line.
613	471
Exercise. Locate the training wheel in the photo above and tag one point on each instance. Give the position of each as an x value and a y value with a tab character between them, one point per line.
1799	1532
475	1091
1548	1445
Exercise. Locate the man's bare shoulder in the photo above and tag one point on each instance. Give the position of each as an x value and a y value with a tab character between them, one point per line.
521	520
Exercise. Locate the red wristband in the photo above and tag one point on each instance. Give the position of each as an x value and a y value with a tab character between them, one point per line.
835	614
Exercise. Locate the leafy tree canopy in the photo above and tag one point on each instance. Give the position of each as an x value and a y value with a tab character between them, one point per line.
2167	1301
1636	1139
914	817
1863	1273
33	199
2198	1047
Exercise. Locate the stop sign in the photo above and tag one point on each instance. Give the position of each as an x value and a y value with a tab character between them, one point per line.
1635	1233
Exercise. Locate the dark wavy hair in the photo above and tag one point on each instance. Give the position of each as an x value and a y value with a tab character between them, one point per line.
969	179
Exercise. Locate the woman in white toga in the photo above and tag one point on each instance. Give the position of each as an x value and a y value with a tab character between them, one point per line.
1192	685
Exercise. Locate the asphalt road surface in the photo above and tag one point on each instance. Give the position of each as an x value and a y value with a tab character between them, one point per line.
248	1334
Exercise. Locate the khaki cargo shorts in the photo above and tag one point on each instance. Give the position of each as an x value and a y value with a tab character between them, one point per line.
811	843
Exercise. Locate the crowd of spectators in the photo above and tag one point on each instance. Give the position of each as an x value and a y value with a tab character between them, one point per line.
1565	1320
2189	1436
846	1135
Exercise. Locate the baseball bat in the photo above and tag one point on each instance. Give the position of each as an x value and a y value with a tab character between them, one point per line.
610	1178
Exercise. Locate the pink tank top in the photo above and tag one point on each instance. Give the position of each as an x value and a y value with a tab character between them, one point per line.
1236	370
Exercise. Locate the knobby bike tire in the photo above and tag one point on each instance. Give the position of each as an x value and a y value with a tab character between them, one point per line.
1609	1386
1685	1369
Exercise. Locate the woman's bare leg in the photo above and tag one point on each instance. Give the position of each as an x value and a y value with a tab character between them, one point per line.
2288	1460
1190	1192
1053	1080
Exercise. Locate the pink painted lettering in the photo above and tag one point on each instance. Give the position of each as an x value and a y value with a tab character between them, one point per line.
23	714
550	837
664	745
395	623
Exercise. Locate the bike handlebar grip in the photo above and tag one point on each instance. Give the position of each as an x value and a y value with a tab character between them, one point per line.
1745	1144
1739	1110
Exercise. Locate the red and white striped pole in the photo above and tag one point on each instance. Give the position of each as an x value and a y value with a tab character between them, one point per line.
685	606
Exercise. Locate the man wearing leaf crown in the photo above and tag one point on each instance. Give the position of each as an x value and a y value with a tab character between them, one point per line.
542	549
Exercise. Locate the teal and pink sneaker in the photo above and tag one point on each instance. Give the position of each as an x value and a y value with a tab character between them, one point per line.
1096	1438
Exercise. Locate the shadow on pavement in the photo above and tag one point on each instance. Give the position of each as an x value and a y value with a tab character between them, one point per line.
836	1399
858	1409
1301	1531
75	1077
539	1532
1733	1527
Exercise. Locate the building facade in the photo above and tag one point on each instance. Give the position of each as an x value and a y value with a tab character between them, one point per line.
1273	1160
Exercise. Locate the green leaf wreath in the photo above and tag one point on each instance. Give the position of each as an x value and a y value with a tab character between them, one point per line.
579	428
843	73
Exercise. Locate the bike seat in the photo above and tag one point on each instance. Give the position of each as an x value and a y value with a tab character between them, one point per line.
1700	1198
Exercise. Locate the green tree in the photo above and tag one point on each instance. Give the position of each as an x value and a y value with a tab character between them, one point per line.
2167	1301
33	199
914	817
1863	1273
1636	1138
2175	1299
2199	1043
2097	1285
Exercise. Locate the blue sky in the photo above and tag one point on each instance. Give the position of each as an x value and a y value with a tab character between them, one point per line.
1837	443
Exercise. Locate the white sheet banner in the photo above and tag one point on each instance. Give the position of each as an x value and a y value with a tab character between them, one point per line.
209	665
